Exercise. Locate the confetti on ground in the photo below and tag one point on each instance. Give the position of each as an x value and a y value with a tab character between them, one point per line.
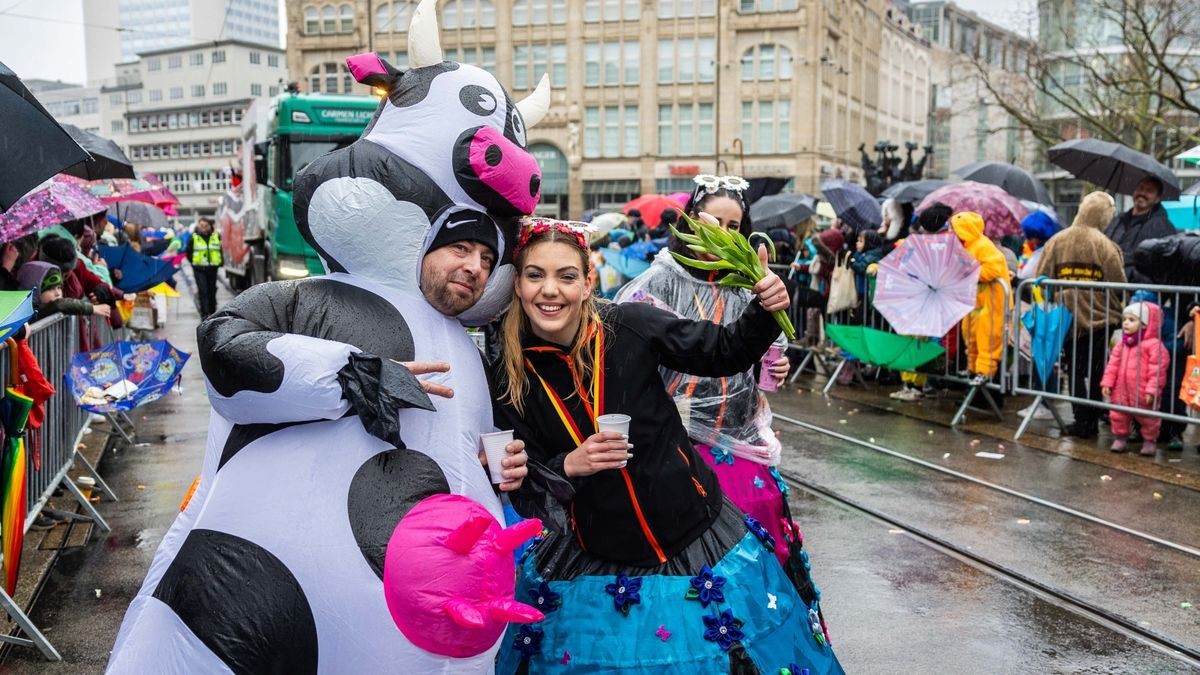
1174	461
97	592
1185	605
931	432
1158	495
989	455
974	442
946	456
872	439
1022	521
1106	477
841	421
999	446
895	531
141	487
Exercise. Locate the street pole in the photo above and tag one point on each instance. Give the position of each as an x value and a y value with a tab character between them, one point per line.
717	92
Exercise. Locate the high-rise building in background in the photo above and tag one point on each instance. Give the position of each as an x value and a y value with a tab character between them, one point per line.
150	25
965	123
647	95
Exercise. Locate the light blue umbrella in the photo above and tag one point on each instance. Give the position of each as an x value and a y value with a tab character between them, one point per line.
1047	325
1184	212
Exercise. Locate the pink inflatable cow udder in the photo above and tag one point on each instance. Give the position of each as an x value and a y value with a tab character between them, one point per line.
506	168
448	576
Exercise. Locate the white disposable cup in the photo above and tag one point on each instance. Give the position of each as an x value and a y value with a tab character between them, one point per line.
86	484
615	422
493	448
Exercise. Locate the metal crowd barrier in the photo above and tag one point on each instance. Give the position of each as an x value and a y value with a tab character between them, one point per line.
828	360
1079	365
52	450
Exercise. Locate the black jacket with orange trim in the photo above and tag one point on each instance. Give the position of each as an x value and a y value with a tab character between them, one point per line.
667	496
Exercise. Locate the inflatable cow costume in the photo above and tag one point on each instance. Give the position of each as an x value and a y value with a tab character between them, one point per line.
328	533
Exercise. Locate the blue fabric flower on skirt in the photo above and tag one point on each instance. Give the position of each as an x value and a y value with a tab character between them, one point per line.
793	669
528	640
544	599
625	592
706	587
761	532
720	455
724	629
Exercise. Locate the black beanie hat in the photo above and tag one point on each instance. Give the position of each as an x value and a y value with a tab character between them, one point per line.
59	251
467	225
934	218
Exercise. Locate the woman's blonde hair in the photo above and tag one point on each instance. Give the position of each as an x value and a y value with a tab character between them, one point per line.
516	325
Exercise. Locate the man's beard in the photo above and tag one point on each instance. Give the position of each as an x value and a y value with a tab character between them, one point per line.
445	299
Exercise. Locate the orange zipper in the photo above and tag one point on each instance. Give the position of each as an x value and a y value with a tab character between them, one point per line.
637	510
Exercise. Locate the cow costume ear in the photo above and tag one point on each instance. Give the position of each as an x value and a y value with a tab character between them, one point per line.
373	71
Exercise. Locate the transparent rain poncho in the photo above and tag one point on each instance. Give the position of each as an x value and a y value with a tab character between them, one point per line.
723	412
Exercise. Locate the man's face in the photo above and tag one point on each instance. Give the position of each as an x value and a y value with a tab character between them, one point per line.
1145	196
453	276
204	227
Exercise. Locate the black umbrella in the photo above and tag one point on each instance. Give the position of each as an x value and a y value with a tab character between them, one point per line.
912	191
852	204
1012	179
33	147
782	210
108	161
1112	166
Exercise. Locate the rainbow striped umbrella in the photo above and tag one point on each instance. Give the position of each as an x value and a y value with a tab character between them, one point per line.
12	485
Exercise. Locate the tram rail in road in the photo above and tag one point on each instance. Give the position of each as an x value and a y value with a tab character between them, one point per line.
1068	601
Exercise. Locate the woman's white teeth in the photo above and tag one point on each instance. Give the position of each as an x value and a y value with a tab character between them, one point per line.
549	308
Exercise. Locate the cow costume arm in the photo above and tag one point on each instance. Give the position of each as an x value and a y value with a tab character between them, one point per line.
263	364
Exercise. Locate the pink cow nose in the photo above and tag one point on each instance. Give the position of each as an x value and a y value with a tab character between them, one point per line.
507	169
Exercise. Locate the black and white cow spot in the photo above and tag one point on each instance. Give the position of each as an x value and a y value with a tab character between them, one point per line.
383	490
242	603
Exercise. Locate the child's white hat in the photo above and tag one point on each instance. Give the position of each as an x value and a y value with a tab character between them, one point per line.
1138	310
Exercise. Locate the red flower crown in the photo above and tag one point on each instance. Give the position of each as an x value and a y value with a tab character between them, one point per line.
531	227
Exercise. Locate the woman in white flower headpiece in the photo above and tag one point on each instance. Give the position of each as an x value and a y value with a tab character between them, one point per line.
727	418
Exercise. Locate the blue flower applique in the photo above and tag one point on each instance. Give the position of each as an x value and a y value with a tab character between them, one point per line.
814	623
793	669
758	482
783	487
706	587
528	640
625	592
759	531
544	599
720	455
724	629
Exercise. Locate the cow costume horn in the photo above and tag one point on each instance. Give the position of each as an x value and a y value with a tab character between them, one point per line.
535	106
424	43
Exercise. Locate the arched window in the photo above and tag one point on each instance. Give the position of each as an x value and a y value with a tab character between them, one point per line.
314	80
767	62
383	18
346	13
312	24
393	17
328	19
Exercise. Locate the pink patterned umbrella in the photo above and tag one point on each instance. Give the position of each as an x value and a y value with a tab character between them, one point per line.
1001	212
162	194
926	285
58	200
112	190
682	197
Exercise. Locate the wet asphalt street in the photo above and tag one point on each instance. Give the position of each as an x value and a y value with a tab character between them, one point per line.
894	604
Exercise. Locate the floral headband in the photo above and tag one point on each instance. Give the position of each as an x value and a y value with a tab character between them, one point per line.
707	184
532	227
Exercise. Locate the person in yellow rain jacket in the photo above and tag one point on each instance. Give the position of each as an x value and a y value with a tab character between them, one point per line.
983	329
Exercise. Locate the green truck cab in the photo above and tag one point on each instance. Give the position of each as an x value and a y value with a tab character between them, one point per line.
284	135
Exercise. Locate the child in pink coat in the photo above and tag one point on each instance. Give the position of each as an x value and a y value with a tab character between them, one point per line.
1136	374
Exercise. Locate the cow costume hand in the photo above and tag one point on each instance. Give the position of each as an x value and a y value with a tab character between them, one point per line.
376	389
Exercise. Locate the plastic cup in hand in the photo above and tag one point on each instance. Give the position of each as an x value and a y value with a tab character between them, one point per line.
766	379
493	448
616	422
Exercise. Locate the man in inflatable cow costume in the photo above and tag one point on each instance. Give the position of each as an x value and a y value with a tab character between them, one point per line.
343	522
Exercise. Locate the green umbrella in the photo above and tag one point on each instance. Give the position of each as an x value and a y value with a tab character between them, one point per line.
880	348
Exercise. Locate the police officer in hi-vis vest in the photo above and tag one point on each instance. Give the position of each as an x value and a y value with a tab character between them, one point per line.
204	252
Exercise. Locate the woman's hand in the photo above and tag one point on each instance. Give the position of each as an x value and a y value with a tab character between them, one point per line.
514	464
771	292
1106	393
601	451
426	367
102	310
781	368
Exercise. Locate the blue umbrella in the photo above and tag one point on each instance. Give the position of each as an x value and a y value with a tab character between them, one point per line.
138	272
1184	213
1047	325
852	204
124	375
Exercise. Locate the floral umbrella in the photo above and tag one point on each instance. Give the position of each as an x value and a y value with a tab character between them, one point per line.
58	200
1001	212
111	190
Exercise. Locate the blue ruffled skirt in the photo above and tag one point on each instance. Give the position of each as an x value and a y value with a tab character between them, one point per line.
723	605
